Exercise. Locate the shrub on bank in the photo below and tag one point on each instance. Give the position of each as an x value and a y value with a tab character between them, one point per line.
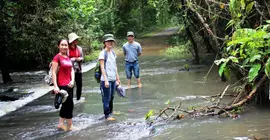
92	56
177	51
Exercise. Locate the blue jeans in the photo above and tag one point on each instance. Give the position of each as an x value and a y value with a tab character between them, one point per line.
107	97
132	67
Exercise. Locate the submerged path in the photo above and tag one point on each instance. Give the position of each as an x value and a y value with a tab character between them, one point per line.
162	81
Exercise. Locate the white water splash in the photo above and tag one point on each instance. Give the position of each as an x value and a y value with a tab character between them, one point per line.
88	67
242	138
81	121
29	73
14	105
134	129
191	97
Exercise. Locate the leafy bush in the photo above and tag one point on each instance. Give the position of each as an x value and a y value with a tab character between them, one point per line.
96	45
248	51
177	51
93	56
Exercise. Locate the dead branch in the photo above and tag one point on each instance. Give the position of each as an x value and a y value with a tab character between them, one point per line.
217	2
248	97
220	98
256	5
175	110
212	110
239	96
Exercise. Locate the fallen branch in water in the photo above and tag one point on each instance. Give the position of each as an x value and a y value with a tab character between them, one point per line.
248	97
176	112
220	98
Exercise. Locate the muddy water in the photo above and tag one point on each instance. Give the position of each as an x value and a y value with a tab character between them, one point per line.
162	81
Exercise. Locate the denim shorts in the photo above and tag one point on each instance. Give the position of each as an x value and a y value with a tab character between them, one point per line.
132	67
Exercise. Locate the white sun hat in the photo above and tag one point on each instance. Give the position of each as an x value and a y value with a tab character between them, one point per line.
72	37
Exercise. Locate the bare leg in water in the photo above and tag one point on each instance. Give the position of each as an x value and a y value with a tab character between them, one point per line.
61	124
69	124
139	82
129	83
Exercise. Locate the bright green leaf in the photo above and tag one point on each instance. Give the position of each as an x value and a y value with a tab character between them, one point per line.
149	114
233	59
267	52
221	69
255	57
243	4
267	68
249	7
218	62
227	73
253	72
168	102
267	21
230	23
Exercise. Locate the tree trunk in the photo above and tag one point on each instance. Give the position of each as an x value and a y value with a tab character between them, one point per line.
3	41
194	44
4	66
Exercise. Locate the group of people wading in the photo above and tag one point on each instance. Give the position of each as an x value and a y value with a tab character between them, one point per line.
67	71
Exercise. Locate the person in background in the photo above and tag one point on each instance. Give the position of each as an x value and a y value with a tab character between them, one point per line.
132	50
75	53
63	79
110	77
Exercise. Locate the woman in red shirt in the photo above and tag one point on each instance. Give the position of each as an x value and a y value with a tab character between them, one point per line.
75	54
63	78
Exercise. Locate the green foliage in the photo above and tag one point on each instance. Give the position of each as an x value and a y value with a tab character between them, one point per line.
192	108
253	72
31	28
92	56
96	45
180	47
187	66
248	50
149	114
177	51
168	102
237	110
239	10
162	8
267	68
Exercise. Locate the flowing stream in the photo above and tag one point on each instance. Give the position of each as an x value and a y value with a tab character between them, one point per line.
162	81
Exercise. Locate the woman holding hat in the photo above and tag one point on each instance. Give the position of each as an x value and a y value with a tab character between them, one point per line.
75	53
110	77
63	79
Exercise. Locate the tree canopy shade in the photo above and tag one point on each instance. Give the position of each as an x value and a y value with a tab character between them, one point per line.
31	28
